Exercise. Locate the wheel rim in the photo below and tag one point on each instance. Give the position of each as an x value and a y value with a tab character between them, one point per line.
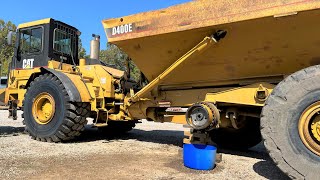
43	108
309	128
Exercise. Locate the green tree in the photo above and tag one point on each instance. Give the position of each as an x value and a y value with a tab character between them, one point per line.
116	57
81	51
6	52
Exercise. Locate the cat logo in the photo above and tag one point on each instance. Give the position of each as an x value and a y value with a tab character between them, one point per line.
27	63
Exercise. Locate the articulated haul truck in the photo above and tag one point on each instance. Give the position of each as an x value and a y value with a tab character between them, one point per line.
236	72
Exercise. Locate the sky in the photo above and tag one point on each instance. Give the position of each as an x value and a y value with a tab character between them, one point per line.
85	15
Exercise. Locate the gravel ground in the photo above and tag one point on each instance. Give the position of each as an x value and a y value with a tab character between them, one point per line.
150	151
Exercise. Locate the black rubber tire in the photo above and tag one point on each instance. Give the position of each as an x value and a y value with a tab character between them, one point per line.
279	123
241	139
69	118
118	127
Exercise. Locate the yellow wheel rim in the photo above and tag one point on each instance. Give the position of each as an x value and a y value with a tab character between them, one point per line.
309	128
43	108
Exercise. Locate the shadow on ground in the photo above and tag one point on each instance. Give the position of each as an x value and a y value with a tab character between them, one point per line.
265	167
9	130
269	170
156	136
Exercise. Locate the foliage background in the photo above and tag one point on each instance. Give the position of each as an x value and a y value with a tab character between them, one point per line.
6	52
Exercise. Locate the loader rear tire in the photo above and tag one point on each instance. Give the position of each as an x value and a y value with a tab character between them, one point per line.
49	116
281	119
239	139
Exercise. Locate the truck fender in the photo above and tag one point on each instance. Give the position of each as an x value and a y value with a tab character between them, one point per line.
71	89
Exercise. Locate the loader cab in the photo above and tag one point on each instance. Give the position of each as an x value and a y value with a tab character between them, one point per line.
41	41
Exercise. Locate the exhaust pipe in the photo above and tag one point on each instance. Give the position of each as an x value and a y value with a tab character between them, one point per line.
95	47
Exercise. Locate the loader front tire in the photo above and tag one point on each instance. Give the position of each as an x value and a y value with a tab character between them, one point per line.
290	122
49	116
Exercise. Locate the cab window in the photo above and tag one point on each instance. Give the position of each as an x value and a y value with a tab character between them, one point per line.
31	40
64	42
3	82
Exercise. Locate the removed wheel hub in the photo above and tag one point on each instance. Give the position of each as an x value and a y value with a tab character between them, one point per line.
203	115
43	108
309	128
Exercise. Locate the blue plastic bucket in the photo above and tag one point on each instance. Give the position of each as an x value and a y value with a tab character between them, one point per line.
200	157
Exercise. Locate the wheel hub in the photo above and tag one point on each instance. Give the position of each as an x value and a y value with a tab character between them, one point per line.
309	128
43	108
203	115
315	128
199	117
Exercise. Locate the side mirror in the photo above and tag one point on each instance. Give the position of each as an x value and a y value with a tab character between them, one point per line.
10	37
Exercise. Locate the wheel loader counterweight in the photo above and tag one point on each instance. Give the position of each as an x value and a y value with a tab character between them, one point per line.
234	71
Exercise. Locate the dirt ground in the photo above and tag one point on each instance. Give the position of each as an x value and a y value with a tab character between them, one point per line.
150	151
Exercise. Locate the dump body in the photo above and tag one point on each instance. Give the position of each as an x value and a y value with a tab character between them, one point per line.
266	40
231	84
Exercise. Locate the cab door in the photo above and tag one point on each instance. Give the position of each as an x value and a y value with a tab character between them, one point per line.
30	53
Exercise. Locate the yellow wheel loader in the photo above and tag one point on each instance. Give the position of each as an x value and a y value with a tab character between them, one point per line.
234	72
57	91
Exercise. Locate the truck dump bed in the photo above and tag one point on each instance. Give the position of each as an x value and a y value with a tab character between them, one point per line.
266	40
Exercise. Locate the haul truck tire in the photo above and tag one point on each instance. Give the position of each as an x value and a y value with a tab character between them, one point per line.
48	114
243	138
290	123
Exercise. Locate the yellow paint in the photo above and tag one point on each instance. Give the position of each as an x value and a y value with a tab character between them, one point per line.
82	62
208	13
94	82
315	129
249	60
251	48
309	128
114	72
240	96
178	119
86	96
43	108
56	64
202	46
17	82
34	23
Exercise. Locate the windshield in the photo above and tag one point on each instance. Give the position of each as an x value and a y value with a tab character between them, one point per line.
31	40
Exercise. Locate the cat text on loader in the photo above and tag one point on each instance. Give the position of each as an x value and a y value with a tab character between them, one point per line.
256	67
